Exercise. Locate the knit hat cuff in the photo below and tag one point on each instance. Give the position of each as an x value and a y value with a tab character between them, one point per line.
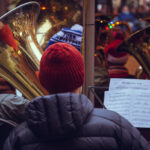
117	60
61	84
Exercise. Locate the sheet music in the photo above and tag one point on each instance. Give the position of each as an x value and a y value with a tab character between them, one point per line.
133	104
118	83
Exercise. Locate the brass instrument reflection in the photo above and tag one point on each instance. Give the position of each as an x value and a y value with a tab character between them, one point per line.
19	66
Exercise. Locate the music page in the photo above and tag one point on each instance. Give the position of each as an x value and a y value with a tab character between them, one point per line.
118	83
132	103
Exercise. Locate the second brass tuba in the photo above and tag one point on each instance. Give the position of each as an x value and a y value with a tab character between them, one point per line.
138	45
19	66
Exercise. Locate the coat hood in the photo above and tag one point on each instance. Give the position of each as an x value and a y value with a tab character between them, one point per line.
58	116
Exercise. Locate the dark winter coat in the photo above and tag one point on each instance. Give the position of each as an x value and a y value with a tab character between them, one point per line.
69	122
12	109
6	127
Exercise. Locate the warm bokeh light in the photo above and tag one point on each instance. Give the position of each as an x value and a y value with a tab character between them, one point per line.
43	8
66	8
117	23
19	52
113	25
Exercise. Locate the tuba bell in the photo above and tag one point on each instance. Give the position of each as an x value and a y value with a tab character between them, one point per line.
19	66
138	45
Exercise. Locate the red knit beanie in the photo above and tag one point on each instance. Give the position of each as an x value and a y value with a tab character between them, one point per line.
113	56
61	68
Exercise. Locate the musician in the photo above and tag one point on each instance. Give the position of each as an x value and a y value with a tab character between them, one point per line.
116	61
66	119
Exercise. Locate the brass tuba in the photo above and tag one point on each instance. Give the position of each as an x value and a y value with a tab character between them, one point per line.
19	66
138	45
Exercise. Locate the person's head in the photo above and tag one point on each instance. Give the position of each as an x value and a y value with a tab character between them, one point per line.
125	9
119	34
62	69
71	36
141	9
112	56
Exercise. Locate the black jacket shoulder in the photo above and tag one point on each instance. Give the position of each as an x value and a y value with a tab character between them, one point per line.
69	121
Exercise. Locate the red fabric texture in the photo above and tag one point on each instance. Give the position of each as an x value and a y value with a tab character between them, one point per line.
117	72
7	37
119	35
61	68
6	87
111	49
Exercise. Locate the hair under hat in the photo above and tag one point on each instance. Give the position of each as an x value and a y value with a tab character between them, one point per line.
61	68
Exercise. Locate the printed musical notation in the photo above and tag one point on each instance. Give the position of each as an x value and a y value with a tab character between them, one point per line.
131	99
